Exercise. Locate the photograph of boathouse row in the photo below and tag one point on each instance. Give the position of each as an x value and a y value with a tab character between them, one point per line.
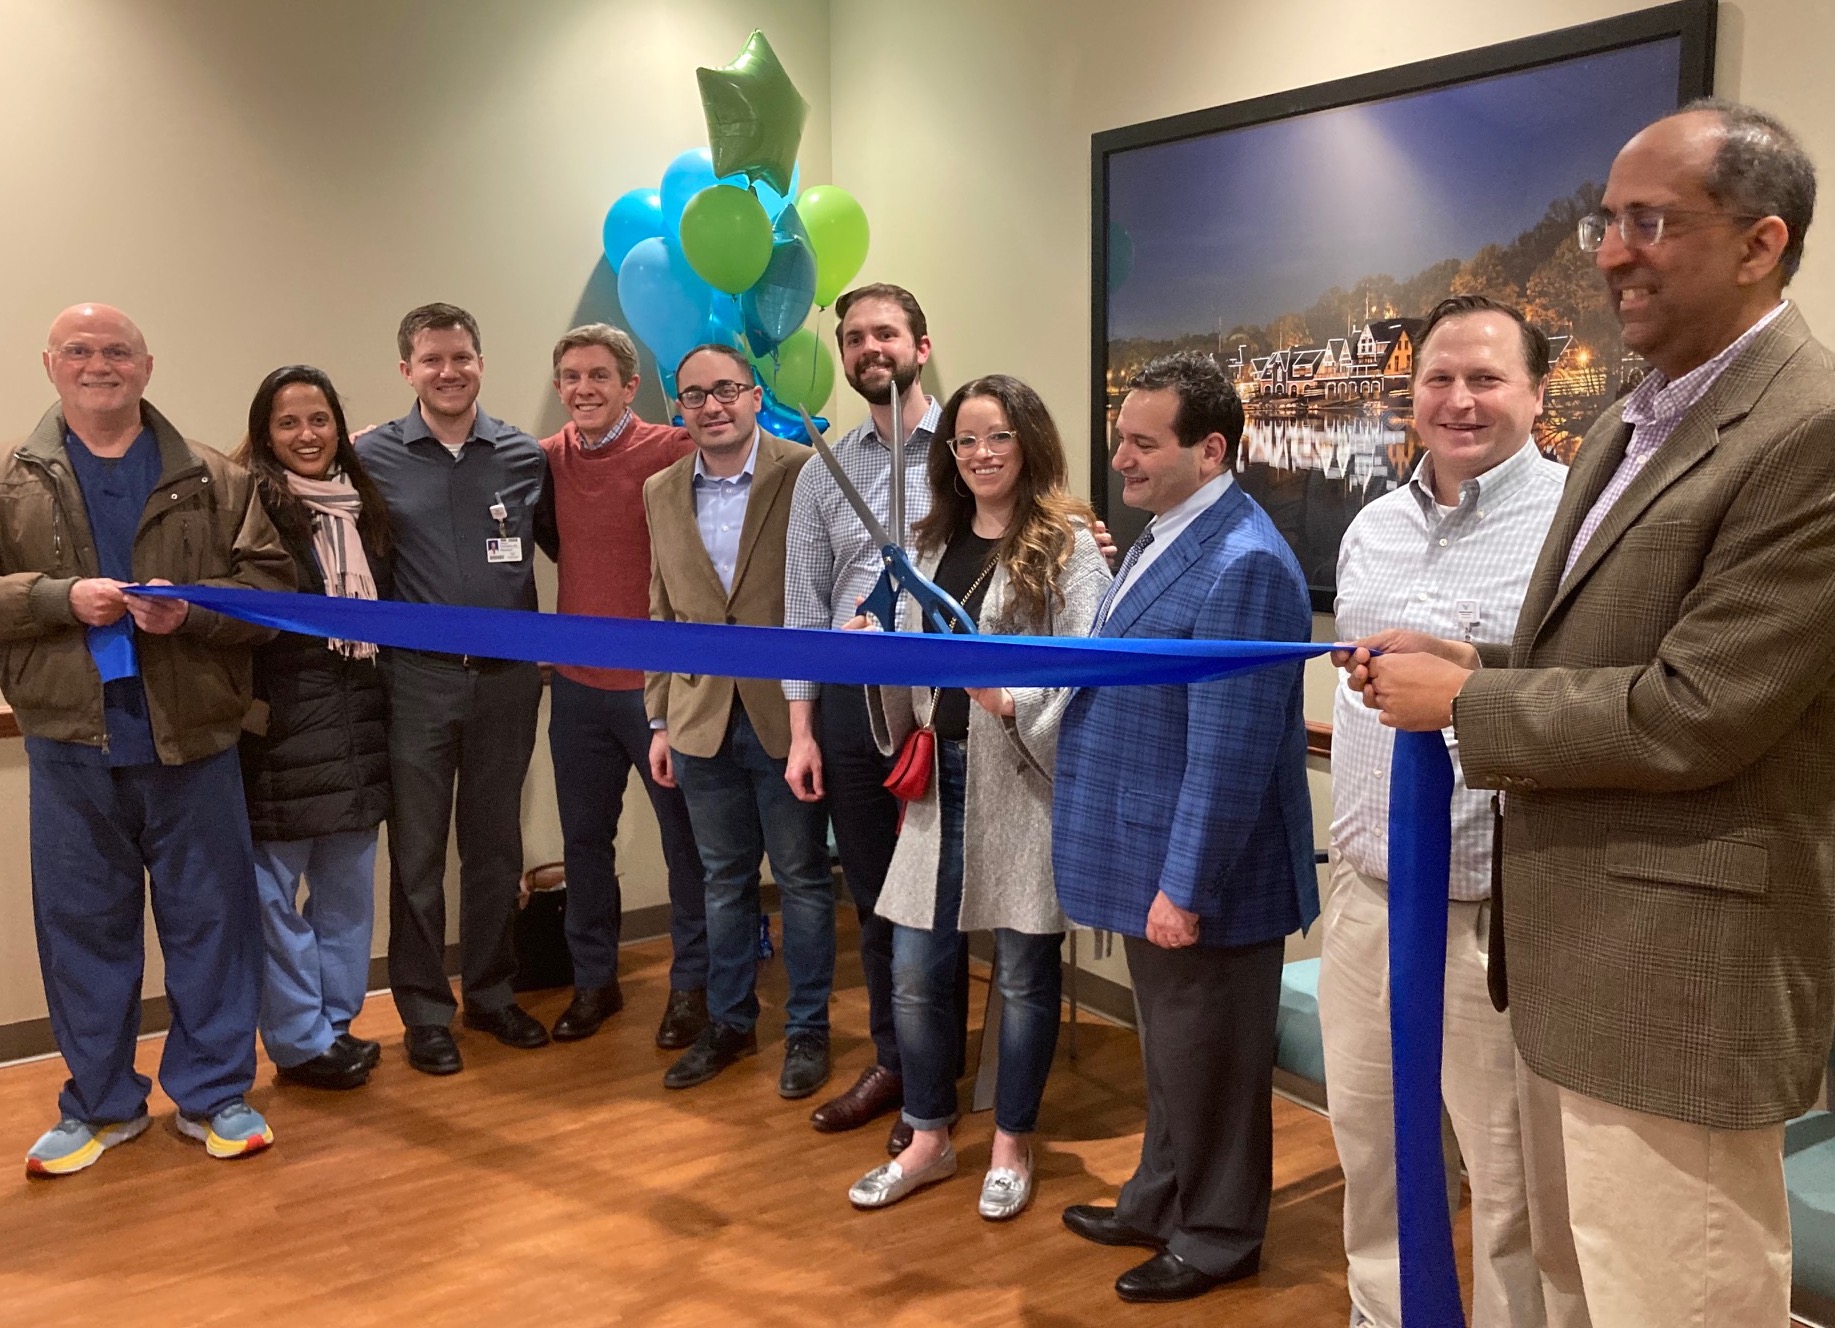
1271	247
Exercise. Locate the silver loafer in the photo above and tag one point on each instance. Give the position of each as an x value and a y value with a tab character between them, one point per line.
1005	1192
886	1185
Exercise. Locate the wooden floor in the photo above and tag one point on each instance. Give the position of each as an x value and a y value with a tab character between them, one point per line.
566	1187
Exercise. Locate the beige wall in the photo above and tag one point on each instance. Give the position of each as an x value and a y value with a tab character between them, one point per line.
260	183
282	181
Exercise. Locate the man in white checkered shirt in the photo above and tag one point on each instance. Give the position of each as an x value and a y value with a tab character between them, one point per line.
1448	554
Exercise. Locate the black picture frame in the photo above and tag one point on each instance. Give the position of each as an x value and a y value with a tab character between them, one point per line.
1690	24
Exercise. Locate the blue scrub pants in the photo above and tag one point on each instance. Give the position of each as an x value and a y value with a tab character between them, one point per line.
98	834
318	962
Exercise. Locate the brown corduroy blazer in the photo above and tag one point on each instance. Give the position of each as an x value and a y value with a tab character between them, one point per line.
685	588
1665	733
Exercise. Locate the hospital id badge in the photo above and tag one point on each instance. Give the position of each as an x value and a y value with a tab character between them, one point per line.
507	549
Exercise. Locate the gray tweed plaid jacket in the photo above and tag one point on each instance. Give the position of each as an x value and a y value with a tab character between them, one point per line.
1665	728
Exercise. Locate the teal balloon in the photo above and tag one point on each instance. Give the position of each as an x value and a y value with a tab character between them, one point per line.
663	300
690	173
773	201
754	115
635	217
1121	255
778	302
725	326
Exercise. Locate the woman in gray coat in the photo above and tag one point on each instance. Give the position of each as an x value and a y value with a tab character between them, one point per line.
1009	542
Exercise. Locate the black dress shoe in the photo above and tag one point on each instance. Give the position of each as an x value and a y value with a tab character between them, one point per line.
431	1049
1097	1223
718	1047
1167	1277
805	1065
512	1025
683	1019
588	1009
338	1066
370	1050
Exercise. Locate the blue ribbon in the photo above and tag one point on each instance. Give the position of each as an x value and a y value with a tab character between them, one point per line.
916	659
112	648
1420	856
1419	809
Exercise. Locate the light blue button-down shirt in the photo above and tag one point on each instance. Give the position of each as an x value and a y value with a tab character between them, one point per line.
719	511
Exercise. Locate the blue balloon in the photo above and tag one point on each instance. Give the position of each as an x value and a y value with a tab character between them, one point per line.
776	418
664	302
636	216
775	202
776	304
690	173
724	323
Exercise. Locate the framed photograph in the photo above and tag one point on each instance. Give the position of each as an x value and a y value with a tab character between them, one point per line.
1300	238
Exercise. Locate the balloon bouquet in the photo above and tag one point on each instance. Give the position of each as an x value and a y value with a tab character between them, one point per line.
727	250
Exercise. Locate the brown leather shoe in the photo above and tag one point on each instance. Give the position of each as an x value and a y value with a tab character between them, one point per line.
900	1138
877	1091
683	1019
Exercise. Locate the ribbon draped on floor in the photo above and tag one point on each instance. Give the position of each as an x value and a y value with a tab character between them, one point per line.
1419	809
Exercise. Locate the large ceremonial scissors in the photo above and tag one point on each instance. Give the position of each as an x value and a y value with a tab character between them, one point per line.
898	576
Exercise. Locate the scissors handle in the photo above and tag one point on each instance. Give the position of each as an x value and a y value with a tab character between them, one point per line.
937	606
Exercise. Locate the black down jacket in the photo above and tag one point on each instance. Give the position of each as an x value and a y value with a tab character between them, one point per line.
322	766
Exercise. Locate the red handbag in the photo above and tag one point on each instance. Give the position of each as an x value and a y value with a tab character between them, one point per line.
910	777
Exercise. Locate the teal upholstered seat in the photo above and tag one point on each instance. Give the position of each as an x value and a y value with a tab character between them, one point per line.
1299	1048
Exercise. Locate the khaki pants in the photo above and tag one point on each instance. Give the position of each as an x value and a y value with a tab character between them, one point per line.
1478	1086
1642	1221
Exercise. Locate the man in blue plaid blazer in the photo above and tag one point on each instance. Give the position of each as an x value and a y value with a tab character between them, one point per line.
1182	821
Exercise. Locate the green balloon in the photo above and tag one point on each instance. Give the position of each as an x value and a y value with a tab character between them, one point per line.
800	372
754	115
726	237
838	233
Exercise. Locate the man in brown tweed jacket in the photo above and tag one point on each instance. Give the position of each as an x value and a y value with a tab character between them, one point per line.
1663	726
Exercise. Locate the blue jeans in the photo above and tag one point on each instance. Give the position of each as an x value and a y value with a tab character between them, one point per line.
318	964
924	966
743	809
595	737
98	835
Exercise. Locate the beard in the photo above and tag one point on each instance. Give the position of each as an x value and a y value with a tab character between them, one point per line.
880	393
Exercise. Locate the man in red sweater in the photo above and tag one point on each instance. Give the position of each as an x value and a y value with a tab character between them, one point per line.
591	523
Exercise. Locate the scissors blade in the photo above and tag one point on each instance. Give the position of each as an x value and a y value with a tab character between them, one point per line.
897	492
846	485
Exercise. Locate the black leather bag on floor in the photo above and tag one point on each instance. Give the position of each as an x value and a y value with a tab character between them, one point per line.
540	936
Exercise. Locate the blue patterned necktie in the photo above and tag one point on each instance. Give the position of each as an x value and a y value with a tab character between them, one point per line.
1135	551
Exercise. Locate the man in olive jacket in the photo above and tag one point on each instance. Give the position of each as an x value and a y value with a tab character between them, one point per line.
1663	729
131	709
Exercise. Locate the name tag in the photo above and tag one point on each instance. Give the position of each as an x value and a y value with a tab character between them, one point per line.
505	550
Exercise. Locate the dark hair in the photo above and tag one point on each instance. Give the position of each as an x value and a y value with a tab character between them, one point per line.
434	317
1037	546
1761	170
732	353
257	453
1208	402
904	299
1536	350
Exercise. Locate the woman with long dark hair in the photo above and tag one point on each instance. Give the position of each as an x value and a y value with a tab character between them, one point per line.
315	753
1006	538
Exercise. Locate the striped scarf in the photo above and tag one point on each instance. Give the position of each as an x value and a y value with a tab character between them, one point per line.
334	505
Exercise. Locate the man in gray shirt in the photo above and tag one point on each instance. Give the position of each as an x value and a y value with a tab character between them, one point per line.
462	490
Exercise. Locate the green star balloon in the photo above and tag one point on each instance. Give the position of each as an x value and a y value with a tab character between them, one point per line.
754	115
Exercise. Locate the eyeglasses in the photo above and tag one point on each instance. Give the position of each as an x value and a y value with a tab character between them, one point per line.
1641	227
998	443
726	392
77	353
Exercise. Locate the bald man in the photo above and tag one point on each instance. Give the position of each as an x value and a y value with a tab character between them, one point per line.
131	709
